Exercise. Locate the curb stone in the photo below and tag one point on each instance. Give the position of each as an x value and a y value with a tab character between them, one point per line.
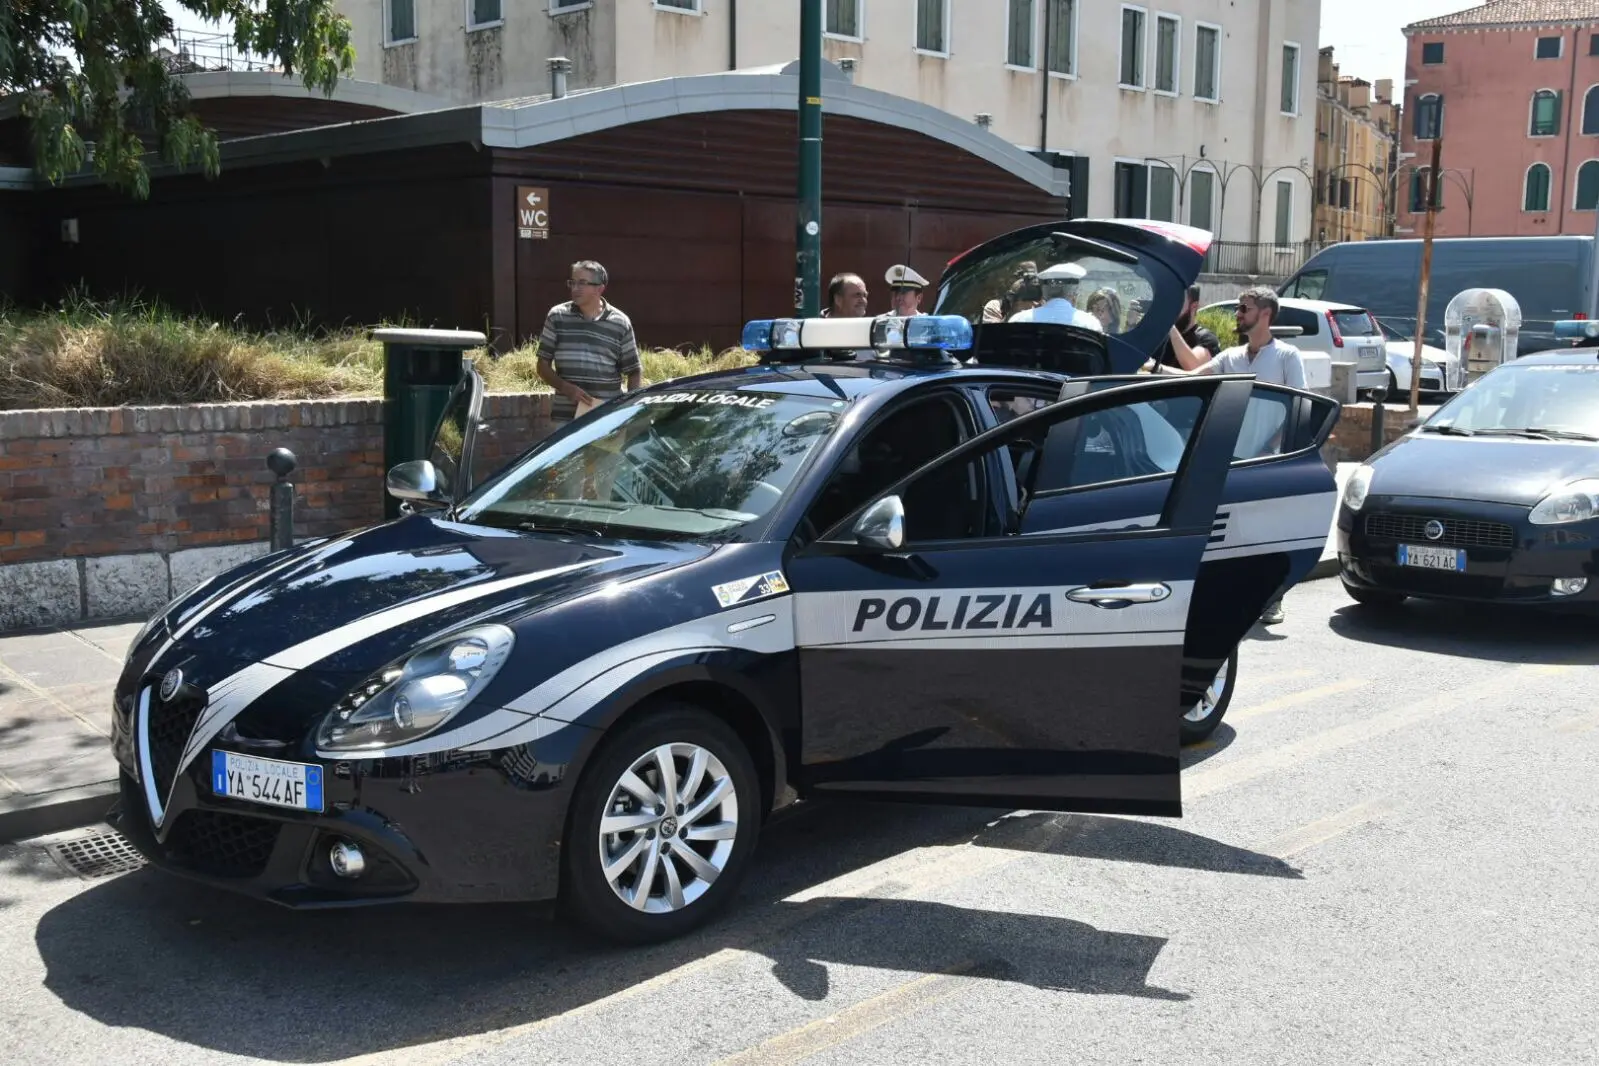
24	817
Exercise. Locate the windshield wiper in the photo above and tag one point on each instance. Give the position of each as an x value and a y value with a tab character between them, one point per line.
1453	431
1561	434
1516	431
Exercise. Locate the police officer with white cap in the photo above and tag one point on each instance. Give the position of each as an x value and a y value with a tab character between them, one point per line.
905	290
1059	283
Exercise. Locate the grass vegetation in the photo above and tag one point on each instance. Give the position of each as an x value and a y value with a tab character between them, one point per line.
89	353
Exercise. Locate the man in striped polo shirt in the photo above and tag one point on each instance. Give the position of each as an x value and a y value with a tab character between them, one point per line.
587	346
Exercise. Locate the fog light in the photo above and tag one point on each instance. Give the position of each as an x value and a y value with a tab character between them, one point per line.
347	860
1568	586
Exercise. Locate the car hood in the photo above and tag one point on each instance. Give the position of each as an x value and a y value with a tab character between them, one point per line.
1493	470
354	602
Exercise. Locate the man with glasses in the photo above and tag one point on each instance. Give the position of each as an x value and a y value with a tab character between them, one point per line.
587	347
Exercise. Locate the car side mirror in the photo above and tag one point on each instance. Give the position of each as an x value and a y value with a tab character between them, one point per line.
415	480
883	524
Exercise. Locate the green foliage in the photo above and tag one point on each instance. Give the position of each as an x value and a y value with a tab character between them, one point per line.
119	353
1223	325
88	75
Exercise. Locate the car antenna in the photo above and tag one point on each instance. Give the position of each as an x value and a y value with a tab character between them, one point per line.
832	386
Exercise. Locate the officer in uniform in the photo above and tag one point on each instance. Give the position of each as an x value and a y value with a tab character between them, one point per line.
1060	284
904	290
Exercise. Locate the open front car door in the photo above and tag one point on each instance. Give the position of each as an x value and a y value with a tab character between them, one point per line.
1036	664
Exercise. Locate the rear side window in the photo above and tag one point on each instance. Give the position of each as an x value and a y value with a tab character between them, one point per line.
1308	286
1136	440
1305	320
1356	323
1264	421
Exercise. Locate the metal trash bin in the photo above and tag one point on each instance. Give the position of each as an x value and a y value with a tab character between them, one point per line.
421	368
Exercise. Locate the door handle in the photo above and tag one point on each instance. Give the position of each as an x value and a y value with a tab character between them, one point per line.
1121	595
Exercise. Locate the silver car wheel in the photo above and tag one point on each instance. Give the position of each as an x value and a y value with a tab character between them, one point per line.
669	828
1206	706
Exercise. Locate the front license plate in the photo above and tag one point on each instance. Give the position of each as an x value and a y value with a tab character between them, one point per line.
269	781
1432	558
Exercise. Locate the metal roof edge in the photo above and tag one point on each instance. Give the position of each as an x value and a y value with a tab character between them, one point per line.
18	178
215	84
549	121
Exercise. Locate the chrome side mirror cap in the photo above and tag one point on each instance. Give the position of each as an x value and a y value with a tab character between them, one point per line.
883	525
415	480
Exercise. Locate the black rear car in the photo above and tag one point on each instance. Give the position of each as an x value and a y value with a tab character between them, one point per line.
1495	498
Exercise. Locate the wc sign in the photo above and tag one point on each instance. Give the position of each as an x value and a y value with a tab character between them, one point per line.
532	212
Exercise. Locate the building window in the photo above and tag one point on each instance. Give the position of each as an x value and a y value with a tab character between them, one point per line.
1019	50
1132	190
558	7
1432	53
485	13
692	6
1550	47
1207	63
1285	213
1201	198
1593	44
1588	186
1590	112
843	19
1163	194
1418	191
1429	117
1132	59
402	20
1168	32
932	19
1545	113
1061	48
1290	96
1536	195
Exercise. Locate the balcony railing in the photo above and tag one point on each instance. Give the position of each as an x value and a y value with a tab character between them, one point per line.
195	53
1262	260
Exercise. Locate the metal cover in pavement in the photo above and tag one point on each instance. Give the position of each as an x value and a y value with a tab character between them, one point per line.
95	853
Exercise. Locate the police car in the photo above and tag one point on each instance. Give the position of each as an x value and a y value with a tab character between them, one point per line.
927	559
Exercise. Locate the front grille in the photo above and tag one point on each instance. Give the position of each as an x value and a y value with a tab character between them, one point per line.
170	726
1458	532
221	844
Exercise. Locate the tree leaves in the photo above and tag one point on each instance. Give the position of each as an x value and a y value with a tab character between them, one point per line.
94	90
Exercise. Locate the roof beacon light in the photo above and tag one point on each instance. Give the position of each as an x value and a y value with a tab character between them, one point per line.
1573	328
883	333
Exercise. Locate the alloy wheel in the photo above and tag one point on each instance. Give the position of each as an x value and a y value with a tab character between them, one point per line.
1206	705
669	828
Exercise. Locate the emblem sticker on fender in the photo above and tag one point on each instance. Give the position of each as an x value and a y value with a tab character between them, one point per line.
749	589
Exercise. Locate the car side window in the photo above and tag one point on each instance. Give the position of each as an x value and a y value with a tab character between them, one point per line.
1265	422
449	440
1308	286
1136	440
1308	321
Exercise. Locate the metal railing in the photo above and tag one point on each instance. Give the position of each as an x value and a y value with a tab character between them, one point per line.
1263	260
198	53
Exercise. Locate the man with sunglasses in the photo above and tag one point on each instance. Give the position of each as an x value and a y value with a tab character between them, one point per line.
587	347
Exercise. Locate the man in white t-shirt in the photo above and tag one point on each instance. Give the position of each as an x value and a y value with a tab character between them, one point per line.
1059	283
1262	355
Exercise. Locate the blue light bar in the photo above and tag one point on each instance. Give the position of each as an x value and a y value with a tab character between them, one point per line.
757	335
948	332
1572	328
884	333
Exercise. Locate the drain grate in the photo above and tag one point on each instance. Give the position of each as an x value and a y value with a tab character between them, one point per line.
97	853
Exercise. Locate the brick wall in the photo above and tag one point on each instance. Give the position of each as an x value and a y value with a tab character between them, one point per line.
1351	437
116	481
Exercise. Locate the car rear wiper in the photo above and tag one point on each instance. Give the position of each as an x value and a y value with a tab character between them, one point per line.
1453	431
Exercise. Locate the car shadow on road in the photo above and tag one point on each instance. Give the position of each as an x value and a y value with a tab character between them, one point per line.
1473	631
152	951
1084	836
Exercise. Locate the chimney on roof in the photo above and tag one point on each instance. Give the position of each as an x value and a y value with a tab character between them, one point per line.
559	66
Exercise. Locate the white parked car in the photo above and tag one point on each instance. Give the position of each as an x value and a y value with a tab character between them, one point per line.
1331	333
1441	373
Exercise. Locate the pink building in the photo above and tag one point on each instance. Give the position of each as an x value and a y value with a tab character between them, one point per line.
1512	89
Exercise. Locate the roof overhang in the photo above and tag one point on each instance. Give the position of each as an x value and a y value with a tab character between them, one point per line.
222	84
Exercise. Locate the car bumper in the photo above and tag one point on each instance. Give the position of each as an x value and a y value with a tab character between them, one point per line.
457	827
1508	559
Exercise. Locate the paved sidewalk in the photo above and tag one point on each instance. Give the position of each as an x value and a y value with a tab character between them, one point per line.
56	770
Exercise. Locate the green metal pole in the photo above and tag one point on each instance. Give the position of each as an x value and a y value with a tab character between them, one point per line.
808	232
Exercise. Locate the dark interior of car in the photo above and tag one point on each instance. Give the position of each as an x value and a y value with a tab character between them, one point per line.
1051	346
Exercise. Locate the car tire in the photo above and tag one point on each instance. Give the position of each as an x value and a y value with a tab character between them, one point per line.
679	896
1374	597
1201	720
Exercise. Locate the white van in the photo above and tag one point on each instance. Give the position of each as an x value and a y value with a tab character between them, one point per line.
1331	333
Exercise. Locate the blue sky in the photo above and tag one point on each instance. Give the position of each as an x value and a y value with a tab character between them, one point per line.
1366	34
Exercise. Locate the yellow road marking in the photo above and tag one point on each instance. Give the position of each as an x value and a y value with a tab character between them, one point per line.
1295	699
1210	778
1324	829
871	1013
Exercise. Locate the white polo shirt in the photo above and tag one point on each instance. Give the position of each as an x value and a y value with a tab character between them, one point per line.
1277	363
1059	310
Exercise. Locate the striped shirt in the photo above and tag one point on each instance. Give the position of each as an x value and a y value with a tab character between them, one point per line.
592	353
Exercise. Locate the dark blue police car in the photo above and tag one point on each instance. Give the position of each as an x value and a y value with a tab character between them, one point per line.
929	559
1495	498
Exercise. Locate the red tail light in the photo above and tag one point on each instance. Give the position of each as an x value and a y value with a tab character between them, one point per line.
1332	327
1579	316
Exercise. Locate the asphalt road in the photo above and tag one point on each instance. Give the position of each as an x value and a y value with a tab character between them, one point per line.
1387	857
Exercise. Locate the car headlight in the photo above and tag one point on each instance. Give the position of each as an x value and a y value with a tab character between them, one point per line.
413	696
1576	502
1356	487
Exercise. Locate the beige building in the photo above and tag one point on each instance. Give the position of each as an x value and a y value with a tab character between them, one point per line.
1185	110
1357	126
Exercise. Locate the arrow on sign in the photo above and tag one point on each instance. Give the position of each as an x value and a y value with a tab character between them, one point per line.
533	198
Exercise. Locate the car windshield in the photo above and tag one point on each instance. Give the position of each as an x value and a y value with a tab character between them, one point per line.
1114	292
681	465
1549	400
